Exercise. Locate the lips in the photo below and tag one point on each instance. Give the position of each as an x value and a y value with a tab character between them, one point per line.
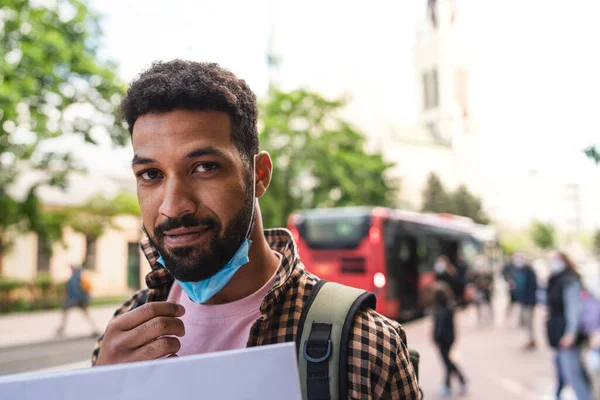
184	236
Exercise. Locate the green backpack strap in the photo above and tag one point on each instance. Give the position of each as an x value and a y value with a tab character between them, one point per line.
323	338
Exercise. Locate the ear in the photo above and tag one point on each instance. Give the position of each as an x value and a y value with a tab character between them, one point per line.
263	172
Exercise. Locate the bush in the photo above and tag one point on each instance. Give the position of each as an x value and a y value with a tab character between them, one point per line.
8	284
40	294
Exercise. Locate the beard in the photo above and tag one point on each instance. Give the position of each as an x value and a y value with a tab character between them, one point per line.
202	261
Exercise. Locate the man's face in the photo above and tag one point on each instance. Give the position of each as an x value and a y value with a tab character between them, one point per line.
194	190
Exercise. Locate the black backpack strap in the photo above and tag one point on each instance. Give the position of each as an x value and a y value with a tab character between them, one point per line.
323	338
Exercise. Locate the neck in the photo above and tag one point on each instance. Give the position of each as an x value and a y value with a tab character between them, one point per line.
252	276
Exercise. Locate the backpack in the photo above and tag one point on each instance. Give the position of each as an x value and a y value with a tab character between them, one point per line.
323	339
590	315
85	283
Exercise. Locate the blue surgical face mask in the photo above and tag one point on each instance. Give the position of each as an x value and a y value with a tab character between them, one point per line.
202	291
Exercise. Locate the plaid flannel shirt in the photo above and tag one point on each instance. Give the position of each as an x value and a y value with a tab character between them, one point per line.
378	360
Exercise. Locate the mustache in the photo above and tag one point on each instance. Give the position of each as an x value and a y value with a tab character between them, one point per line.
187	221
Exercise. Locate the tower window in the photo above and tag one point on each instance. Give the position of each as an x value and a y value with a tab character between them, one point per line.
430	89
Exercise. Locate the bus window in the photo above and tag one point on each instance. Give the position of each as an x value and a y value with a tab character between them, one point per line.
334	232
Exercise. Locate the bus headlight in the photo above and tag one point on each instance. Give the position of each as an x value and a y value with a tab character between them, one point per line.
379	280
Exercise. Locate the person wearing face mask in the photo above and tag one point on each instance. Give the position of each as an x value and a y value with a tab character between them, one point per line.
447	273
525	282
219	281
565	308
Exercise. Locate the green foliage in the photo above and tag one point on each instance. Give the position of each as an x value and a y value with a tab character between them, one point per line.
466	204
91	218
461	202
512	242
96	214
435	197
319	159
8	284
597	242
543	235
52	83
593	153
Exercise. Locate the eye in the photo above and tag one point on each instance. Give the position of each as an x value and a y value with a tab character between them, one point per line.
205	167
149	175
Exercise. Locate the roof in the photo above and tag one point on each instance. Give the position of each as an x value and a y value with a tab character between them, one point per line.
80	187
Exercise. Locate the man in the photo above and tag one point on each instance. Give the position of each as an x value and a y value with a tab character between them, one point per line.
77	296
218	282
508	274
483	281
525	282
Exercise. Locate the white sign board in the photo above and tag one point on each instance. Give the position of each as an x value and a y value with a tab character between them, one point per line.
264	372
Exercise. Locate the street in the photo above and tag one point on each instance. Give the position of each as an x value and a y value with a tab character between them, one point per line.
42	356
490	356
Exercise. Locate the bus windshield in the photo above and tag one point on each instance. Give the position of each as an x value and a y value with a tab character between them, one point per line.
334	231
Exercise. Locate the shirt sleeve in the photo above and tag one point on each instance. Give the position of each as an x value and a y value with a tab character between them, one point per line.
379	366
573	306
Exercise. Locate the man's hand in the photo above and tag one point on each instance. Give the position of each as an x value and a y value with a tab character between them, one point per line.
139	334
567	341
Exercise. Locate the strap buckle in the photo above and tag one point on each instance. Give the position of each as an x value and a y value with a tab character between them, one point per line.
317	359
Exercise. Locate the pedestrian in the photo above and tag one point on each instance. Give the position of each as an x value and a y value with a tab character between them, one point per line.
218	280
462	271
526	290
448	273
444	336
590	326
563	329
483	282
508	274
560	382
77	296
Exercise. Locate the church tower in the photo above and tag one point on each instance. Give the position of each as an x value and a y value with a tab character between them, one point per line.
443	61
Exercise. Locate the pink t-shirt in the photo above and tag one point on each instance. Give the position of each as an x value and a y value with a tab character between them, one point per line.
210	328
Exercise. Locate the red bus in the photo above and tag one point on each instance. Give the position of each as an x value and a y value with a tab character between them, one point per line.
388	252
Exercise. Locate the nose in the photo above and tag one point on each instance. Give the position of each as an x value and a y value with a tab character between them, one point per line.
178	199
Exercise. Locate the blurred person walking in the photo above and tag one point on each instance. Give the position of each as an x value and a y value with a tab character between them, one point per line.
508	274
590	325
78	295
444	336
526	288
448	273
565	308
483	282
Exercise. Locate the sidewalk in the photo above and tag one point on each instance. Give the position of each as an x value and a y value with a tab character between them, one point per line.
40	326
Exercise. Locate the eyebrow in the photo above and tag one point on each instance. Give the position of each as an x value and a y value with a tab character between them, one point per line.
203	151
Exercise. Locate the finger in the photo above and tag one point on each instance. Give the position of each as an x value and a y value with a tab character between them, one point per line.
147	312
153	329
157	349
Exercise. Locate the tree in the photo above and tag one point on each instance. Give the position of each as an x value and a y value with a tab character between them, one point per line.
52	83
91	218
319	158
543	235
435	197
593	153
466	204
461	202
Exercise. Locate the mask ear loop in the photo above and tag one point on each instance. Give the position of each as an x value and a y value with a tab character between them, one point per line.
253	197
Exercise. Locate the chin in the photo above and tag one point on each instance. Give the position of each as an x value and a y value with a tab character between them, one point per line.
185	270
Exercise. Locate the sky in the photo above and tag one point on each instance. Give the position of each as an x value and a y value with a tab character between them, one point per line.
536	77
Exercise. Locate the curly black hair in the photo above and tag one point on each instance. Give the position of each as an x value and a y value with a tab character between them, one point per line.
191	85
